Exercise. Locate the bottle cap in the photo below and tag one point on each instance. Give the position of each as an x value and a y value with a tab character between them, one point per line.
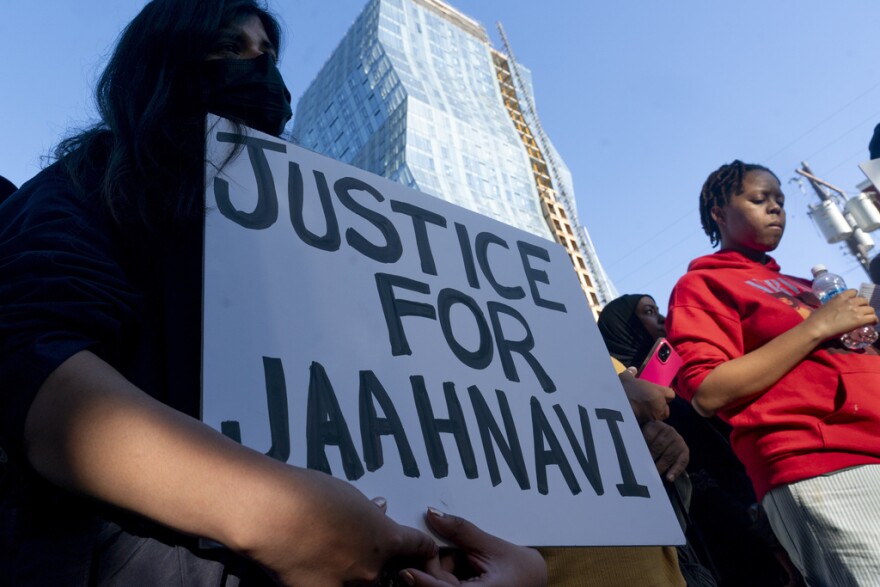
817	269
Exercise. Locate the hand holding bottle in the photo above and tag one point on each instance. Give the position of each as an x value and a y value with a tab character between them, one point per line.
843	311
843	314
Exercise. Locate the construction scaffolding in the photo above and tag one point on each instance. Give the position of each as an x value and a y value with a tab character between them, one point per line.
557	206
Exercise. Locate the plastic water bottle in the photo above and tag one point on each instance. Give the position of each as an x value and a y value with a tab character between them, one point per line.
826	285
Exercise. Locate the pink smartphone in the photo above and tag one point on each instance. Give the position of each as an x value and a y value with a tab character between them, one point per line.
661	364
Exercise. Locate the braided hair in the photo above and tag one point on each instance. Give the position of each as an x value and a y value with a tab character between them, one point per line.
721	185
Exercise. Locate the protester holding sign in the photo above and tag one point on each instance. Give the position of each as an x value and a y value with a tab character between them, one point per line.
720	507
106	474
761	352
630	325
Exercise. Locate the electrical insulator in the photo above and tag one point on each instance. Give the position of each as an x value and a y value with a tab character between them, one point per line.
830	221
864	212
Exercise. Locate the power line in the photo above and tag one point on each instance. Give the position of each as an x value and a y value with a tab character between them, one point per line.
859	154
644	242
652	237
705	250
651	259
823	121
638	247
873	116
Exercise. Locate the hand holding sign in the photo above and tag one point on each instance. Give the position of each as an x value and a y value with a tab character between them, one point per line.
324	532
484	561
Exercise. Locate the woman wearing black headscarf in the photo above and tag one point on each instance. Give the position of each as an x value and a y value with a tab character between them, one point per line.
625	324
721	525
629	326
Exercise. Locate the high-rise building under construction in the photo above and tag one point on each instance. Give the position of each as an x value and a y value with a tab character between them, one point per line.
416	93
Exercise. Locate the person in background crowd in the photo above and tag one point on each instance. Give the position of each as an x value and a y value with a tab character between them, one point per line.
874	270
106	475
7	188
874	151
629	326
722	525
874	145
804	410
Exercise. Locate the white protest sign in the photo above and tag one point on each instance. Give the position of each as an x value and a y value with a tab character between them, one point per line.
423	352
871	169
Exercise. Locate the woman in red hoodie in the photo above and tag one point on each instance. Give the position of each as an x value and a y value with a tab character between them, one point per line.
763	354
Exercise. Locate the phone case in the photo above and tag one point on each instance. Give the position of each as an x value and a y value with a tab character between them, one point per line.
661	364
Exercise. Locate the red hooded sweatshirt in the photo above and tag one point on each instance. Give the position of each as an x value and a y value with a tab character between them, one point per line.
822	416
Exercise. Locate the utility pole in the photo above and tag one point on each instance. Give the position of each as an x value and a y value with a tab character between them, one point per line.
821	188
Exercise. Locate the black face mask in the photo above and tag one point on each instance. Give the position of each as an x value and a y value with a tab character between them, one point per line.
250	91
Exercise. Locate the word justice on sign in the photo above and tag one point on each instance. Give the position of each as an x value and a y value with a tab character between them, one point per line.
474	255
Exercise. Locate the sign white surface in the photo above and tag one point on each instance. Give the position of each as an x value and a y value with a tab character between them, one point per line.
425	353
871	169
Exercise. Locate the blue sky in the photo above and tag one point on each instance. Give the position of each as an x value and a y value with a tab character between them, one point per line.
642	100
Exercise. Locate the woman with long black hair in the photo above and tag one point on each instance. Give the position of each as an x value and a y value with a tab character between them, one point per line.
106	475
108	472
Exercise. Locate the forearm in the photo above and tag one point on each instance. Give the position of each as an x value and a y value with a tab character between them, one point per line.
755	372
91	431
743	378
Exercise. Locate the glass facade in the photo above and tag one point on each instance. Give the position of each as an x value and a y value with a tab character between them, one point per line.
411	93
